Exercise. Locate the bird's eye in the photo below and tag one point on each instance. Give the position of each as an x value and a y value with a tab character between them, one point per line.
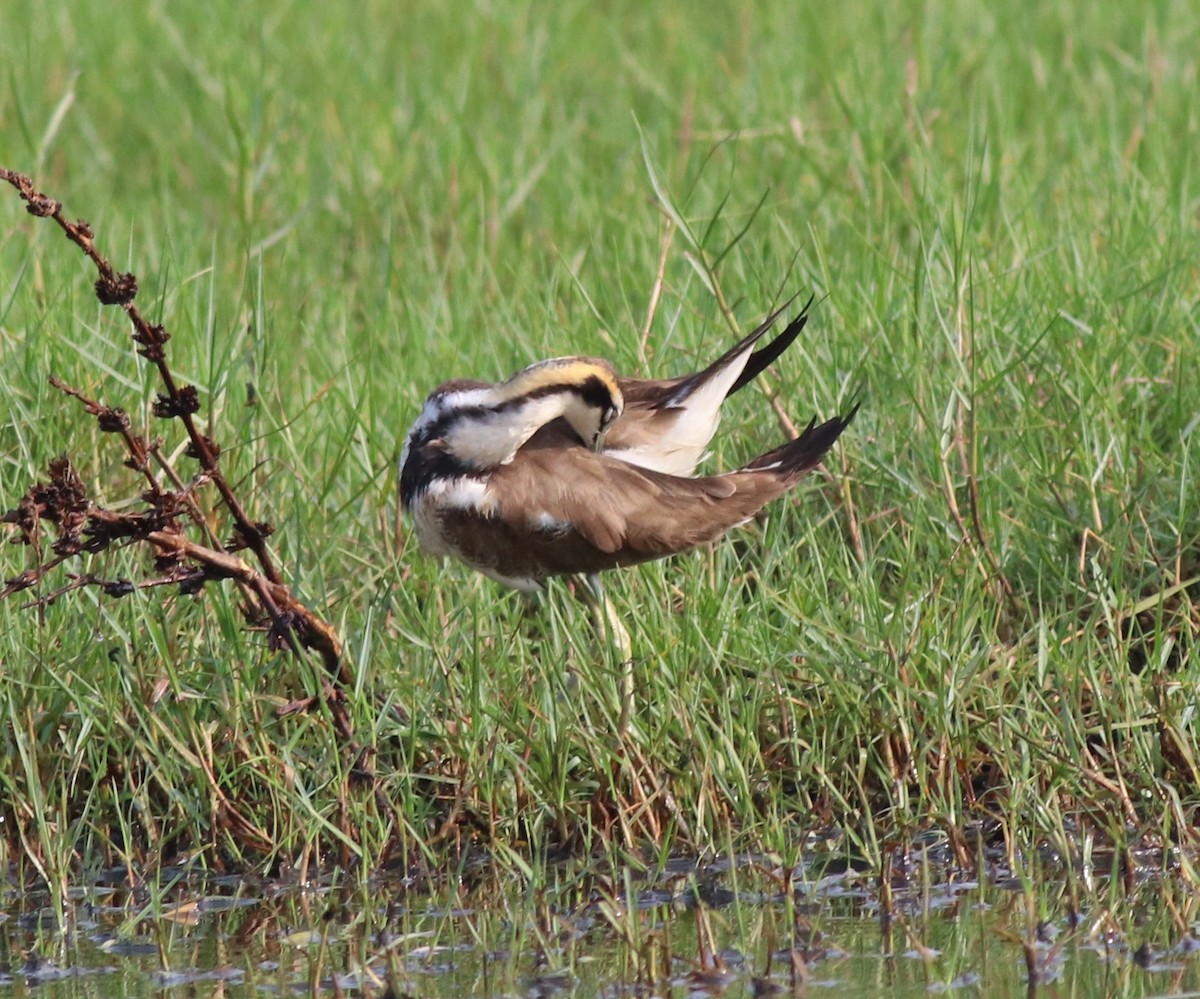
610	414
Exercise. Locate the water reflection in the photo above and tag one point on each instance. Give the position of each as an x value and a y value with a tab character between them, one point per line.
747	925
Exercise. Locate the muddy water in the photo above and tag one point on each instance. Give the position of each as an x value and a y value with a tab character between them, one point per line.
746	927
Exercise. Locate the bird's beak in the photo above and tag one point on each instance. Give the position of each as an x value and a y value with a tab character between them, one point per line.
598	443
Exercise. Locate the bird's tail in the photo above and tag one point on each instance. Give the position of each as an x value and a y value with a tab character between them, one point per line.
803	454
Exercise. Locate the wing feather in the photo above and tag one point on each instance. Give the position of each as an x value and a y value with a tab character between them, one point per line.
560	508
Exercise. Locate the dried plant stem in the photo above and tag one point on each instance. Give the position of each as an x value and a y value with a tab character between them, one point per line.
84	526
115	288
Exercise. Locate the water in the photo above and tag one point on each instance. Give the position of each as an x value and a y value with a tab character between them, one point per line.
739	928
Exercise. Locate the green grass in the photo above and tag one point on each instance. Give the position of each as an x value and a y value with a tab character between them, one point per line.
976	612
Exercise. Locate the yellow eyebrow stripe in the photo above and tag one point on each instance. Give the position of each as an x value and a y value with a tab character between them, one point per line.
559	372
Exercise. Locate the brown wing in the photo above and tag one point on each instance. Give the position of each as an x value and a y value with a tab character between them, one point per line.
565	509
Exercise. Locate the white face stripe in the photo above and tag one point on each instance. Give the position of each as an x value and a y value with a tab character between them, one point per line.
436	406
439	404
492	438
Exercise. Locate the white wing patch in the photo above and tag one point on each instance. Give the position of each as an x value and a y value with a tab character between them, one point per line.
546	522
493	438
659	457
682	444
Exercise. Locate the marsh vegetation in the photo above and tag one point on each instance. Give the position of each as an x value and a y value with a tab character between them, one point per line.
976	624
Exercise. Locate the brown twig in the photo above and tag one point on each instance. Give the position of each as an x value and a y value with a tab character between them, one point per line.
83	526
178	401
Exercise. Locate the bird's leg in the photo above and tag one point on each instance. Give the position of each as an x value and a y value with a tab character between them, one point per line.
608	626
533	619
532	602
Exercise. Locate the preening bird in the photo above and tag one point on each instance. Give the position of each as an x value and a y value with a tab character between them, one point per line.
568	468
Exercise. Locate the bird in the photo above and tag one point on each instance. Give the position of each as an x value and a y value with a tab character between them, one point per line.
568	469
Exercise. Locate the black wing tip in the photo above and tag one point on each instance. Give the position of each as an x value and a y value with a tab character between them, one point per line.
804	453
821	437
765	356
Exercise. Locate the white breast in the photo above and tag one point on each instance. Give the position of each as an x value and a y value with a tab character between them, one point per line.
447	494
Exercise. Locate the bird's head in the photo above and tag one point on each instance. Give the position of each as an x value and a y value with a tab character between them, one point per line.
581	390
481	426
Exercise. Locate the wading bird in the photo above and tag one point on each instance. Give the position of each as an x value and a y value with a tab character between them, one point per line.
567	468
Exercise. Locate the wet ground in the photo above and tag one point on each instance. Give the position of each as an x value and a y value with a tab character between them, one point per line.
738	927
